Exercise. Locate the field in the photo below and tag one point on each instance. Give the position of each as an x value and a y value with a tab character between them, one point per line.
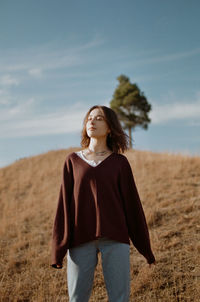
169	187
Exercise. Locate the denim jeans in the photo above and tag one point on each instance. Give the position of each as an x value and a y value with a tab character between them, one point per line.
81	264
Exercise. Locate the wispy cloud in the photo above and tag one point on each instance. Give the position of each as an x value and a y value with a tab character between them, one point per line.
8	80
157	57
46	57
15	110
27	123
19	114
173	56
23	118
35	72
194	123
177	110
41	61
23	113
5	98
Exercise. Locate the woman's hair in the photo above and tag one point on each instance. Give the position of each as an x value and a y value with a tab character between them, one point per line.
117	139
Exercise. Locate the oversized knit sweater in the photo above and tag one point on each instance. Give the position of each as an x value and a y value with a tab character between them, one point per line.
98	201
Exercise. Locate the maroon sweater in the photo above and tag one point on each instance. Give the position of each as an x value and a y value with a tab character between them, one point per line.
100	201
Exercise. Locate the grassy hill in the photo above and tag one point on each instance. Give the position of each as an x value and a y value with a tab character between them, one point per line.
169	187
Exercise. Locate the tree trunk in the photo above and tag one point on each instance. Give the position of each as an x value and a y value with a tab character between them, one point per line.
130	138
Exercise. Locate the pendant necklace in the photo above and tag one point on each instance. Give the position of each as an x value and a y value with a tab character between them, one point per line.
100	153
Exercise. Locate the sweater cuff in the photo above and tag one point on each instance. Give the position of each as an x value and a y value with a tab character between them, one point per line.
151	259
55	266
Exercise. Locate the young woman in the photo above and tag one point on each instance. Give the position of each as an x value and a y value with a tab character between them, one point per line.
98	210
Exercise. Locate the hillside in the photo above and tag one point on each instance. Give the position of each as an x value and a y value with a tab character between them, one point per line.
169	187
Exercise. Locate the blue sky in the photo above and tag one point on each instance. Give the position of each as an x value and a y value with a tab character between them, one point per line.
59	58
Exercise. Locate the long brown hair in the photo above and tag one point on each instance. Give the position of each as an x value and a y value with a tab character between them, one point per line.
117	139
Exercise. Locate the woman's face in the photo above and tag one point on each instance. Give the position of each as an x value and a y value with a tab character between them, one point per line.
96	125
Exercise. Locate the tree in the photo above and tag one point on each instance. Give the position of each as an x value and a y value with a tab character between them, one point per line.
131	106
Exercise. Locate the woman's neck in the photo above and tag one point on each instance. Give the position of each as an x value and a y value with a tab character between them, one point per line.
97	146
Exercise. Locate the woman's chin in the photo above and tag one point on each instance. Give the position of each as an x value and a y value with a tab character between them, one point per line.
95	135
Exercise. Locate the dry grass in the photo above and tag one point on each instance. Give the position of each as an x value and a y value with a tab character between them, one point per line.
169	186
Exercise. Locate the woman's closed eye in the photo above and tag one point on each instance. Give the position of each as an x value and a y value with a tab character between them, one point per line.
97	118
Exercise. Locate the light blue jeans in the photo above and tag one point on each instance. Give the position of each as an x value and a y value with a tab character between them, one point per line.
81	264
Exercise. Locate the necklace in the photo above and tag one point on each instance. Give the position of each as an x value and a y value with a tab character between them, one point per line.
100	153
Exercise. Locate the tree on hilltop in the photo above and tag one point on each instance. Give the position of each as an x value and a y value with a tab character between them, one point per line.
131	106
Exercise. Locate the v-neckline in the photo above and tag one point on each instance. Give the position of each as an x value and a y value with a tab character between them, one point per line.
96	165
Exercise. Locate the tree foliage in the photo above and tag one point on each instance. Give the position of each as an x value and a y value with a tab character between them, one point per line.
131	105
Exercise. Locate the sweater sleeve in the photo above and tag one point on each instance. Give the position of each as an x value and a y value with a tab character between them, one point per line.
61	227
135	217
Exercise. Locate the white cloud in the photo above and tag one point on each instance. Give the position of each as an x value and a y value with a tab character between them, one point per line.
21	119
169	57
35	72
46	57
4	97
21	122
8	80
34	63
16	110
175	111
